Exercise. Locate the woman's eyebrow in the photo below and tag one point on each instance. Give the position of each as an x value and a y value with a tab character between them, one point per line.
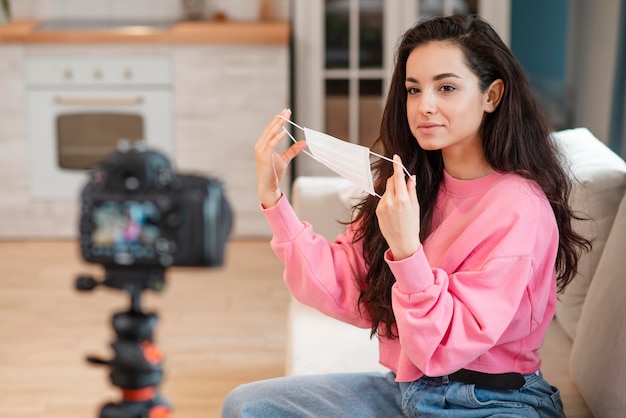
435	78
445	75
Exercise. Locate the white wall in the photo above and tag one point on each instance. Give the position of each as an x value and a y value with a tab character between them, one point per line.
594	29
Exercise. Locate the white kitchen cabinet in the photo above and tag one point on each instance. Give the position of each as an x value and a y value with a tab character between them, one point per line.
223	97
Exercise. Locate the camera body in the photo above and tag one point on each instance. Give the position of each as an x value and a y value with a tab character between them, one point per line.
138	213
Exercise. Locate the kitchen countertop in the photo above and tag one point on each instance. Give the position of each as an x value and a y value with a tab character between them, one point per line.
200	32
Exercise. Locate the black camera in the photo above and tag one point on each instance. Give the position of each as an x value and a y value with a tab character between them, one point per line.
136	212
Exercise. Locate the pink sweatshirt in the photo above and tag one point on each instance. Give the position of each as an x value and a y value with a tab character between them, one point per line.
479	294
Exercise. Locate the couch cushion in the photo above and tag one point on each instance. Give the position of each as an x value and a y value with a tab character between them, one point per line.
323	202
601	181
317	343
598	359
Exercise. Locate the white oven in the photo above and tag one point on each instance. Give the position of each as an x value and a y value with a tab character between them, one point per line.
80	107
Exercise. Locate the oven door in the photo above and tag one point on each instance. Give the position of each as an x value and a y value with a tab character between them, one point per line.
71	131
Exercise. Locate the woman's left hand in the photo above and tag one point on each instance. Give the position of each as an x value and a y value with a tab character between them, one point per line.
270	165
398	213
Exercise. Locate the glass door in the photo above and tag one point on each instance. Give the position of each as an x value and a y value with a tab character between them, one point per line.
353	69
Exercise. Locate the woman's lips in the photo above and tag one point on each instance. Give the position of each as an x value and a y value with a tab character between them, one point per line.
428	128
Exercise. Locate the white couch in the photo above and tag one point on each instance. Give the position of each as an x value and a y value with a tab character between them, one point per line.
585	350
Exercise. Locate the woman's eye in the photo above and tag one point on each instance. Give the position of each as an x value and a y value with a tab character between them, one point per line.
447	88
412	90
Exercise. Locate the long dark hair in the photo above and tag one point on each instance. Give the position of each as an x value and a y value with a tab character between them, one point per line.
515	139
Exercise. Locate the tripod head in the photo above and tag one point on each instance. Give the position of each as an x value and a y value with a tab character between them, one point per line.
137	365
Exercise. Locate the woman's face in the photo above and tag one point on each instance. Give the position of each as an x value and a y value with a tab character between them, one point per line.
445	106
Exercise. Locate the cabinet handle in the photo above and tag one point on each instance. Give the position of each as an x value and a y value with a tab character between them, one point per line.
98	101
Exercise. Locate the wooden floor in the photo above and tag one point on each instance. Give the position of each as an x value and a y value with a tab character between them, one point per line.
217	328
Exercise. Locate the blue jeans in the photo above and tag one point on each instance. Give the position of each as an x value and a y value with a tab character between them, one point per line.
364	395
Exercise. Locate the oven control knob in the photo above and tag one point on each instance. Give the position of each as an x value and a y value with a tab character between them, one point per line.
97	74
128	74
68	75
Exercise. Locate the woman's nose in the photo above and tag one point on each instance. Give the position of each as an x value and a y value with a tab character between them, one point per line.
427	103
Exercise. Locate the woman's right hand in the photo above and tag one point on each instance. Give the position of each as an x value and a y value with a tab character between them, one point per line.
270	165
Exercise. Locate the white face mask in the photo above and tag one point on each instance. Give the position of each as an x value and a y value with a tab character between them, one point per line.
350	161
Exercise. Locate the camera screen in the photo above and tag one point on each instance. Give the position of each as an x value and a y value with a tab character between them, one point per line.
128	226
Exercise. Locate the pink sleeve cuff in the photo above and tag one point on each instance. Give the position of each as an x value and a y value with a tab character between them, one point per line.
283	221
413	274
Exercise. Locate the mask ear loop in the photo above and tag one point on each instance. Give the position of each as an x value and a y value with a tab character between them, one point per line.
291	136
392	161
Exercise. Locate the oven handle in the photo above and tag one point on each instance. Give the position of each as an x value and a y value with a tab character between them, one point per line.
98	101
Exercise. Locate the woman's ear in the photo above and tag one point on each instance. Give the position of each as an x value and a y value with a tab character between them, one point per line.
494	95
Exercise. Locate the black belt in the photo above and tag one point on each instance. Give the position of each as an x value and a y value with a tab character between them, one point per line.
496	381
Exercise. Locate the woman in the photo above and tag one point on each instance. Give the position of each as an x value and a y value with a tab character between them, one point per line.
457	276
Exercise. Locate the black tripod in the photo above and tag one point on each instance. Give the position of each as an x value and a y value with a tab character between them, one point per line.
137	366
